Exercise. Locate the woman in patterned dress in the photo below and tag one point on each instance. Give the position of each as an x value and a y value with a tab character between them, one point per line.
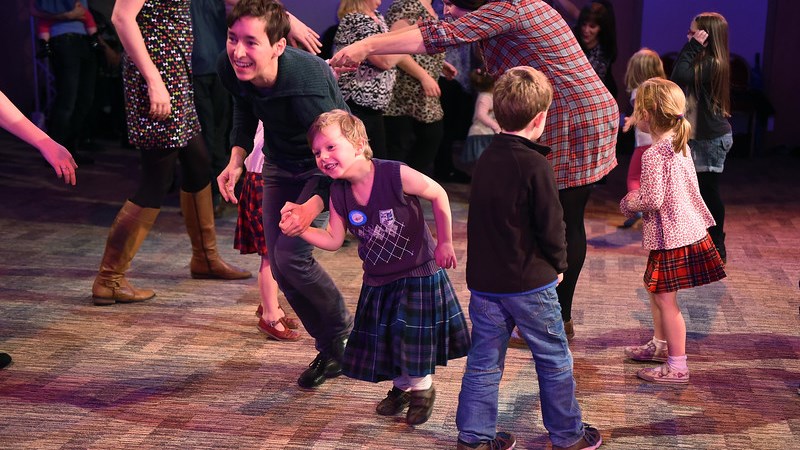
414	116
368	89
163	125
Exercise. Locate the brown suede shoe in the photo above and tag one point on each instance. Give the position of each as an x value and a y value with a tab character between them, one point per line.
421	406
394	403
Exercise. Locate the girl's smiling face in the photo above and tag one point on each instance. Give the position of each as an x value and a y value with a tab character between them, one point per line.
333	152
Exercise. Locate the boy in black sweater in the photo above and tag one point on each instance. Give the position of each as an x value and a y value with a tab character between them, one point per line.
516	255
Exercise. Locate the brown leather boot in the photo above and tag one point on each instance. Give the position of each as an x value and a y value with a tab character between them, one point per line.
126	235
198	213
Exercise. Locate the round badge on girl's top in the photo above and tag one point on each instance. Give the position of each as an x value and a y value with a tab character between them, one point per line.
357	217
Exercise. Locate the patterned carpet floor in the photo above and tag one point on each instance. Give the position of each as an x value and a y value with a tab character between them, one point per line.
188	369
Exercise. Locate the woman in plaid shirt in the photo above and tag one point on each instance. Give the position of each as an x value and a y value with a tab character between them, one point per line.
582	123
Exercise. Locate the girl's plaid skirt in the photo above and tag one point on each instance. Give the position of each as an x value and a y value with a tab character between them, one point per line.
684	267
408	326
249	234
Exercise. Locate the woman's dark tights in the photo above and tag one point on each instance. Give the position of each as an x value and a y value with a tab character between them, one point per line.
573	201
709	190
158	169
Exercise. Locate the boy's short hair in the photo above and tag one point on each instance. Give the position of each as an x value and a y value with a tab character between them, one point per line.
519	95
352	129
271	11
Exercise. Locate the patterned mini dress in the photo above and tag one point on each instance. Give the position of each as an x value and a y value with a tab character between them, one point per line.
166	27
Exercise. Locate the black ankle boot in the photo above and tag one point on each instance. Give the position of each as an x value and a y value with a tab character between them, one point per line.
322	368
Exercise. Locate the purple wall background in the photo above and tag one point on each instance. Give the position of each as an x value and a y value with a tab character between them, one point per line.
764	26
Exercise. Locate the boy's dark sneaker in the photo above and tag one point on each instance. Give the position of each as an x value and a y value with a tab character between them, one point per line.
501	441
590	441
395	402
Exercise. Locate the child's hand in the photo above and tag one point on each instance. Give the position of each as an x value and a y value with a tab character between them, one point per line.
629	123
560	278
445	255
296	218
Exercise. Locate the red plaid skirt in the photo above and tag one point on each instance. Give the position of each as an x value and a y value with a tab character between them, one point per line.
684	267
249	235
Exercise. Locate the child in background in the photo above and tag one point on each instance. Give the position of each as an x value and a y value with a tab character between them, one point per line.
59	7
516	256
703	70
675	219
484	126
249	238
408	319
643	65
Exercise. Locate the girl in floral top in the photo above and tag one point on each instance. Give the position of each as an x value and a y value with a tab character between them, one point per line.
675	219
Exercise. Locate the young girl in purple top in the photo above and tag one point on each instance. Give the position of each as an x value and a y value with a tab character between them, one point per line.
675	219
408	319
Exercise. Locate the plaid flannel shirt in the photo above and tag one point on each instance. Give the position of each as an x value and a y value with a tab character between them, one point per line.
583	120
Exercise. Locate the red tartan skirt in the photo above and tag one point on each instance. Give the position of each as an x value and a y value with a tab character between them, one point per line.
684	267
249	235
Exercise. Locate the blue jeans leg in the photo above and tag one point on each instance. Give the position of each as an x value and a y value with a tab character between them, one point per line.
476	417
538	317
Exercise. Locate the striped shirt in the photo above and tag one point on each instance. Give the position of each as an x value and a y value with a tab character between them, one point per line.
582	122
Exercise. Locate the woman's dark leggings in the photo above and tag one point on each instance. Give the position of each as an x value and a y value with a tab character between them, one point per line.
158	169
709	190
573	201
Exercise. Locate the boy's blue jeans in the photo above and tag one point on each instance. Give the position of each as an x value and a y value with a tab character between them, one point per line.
538	317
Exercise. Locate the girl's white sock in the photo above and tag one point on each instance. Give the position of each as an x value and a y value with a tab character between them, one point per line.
677	363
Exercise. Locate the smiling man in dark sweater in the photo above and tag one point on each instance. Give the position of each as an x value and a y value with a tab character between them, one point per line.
286	89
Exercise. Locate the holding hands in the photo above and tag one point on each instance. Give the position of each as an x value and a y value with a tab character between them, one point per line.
296	218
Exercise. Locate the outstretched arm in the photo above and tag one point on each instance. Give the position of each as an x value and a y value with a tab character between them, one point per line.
420	185
331	238
406	40
56	155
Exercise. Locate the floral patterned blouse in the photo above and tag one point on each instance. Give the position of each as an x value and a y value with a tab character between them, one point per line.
673	213
408	98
